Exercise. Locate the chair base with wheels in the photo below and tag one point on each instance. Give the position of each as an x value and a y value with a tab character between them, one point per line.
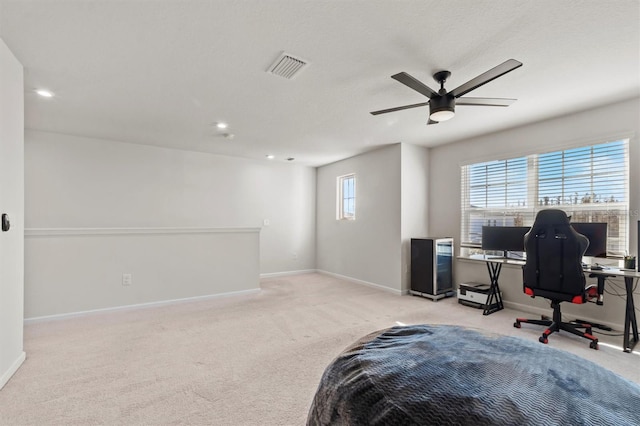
556	324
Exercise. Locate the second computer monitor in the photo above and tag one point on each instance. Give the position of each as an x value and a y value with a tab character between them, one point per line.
596	232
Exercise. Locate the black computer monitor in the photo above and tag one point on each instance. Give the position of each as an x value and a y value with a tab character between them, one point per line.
596	232
504	238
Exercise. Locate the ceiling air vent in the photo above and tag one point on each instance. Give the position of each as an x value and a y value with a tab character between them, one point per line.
287	66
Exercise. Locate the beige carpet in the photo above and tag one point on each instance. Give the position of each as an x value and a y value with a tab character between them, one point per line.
244	360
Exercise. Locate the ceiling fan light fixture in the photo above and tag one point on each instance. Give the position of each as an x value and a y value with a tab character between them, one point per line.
442	108
442	115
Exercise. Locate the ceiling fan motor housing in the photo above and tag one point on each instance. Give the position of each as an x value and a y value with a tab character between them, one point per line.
442	104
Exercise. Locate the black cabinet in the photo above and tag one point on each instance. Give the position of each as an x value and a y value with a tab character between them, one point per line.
432	267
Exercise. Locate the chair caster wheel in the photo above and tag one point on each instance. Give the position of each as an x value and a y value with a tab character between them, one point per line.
543	339
517	325
593	345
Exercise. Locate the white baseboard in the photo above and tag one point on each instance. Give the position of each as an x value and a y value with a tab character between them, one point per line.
527	308
548	312
367	283
139	306
285	273
11	371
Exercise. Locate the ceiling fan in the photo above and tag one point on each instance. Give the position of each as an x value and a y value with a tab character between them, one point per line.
442	104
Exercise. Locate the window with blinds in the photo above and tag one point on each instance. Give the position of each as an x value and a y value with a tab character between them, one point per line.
590	183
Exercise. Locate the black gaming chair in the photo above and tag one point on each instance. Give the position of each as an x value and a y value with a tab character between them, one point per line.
553	270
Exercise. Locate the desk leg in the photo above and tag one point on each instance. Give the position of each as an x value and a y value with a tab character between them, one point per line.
630	323
495	298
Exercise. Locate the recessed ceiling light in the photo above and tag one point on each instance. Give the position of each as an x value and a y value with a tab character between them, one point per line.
222	125
271	157
44	93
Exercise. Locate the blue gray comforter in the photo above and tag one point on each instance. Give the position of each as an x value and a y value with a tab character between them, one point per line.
448	375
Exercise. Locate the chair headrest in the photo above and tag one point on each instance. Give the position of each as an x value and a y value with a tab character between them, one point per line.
551	217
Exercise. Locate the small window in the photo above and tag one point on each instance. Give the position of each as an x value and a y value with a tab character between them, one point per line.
347	197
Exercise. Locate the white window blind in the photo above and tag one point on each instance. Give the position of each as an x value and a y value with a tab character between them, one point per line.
590	183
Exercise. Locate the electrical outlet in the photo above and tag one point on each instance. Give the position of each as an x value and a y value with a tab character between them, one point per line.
266	222
127	279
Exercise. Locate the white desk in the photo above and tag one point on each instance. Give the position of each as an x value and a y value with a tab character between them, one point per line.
494	265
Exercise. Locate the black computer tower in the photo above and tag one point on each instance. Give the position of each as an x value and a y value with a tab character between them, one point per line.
432	267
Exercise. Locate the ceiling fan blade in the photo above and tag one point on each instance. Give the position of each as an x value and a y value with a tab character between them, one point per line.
383	111
415	84
432	122
486	77
502	102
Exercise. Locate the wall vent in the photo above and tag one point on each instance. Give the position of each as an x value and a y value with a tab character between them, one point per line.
287	66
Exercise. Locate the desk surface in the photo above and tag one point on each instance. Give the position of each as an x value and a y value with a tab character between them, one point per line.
606	270
493	259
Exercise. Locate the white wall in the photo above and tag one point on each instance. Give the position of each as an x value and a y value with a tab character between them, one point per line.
593	126
71	271
76	182
368	248
414	194
87	199
12	203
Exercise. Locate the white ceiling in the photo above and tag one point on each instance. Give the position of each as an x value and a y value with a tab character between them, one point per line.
161	72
